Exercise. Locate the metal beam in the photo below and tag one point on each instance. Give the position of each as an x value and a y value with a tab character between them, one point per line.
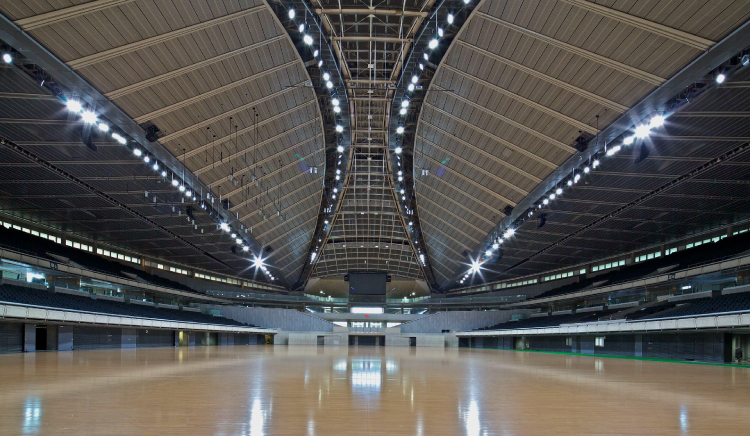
471	182
453	214
64	14
477	168
371	11
605	102
559	144
580	125
158	39
223	117
685	38
371	38
117	93
487	154
214	92
462	206
644	76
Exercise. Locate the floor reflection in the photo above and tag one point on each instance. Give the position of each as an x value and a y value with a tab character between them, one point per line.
260	391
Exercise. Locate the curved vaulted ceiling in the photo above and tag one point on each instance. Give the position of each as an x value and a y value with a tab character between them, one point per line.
527	79
200	72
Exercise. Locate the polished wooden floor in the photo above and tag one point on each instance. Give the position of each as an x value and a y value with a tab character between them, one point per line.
266	390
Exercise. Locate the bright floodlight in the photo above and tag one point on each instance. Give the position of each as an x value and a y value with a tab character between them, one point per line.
440	32
576	178
508	233
421	66
339	128
552	196
291	14
336	109
450	18
656	121
721	78
156	166
120	139
326	76
398	150
495	245
414	79
642	131
320	63
402	111
88	117
405	103
558	191
74	105
400	129
258	262
238	241
613	150
308	39
329	84
545	201
188	193
315	53
302	27
7	58
175	182
137	151
103	127
629	140
586	170
164	174
433	43
595	163
340	148
410	87
146	159
245	248
488	253
475	266
426	56
224	226
570	183
467	1
335	101
182	188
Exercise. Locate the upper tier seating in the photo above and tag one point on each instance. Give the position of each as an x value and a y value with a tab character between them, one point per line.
36	297
23	242
703	306
705	253
547	321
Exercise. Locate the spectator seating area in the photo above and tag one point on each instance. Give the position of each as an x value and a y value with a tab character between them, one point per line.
37	297
24	242
548	321
728	247
703	306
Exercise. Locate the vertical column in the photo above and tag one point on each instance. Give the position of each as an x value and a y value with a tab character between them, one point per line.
638	345
29	337
128	338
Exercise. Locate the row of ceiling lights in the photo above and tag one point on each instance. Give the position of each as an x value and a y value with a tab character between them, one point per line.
89	117
640	132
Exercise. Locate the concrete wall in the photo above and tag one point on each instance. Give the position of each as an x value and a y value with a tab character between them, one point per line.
311	338
456	321
284	319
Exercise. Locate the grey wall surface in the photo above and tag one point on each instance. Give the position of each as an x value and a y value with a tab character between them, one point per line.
285	319
456	321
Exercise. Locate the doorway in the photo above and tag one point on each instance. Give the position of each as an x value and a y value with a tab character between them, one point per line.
41	338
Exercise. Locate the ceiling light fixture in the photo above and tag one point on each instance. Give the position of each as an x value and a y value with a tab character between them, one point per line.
400	130
291	14
88	117
433	43
326	76
340	148
103	127
308	39
642	131
137	151
656	122
721	78
398	150
335	101
74	106
450	18
339	128
7	58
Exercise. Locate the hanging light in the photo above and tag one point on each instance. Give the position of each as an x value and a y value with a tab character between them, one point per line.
721	78
450	18
414	79
586	169
164	174
7	58
410	87
326	76
335	101
74	106
421	66
340	148
320	63
224	227
400	130
302	27
329	84
642	131
558	191
398	150
315	53
405	103
156	166
552	196
402	111
182	188
146	159
291	14
595	163
103	127
613	150
440	32
426	56
88	117
508	233
433	43
308	39
339	128
137	151
629	140
336	109
570	183
175	182
656	122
